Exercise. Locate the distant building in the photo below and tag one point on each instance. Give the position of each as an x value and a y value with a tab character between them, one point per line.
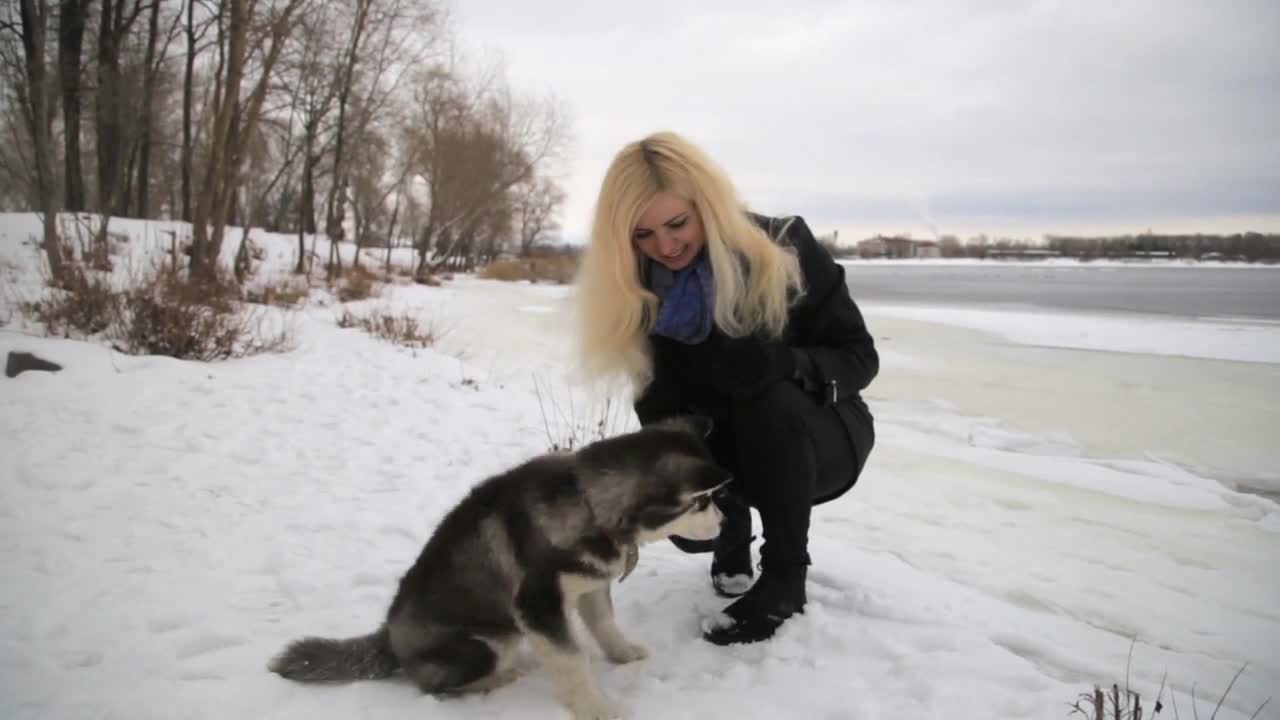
996	253
871	247
898	247
927	249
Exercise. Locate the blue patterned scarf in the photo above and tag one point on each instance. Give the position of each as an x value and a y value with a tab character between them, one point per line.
686	313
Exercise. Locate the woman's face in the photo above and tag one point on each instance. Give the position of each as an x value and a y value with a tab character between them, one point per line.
669	231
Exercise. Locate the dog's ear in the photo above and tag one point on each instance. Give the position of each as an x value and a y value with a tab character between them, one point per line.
697	425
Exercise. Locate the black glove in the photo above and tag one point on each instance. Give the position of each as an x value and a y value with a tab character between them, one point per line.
747	366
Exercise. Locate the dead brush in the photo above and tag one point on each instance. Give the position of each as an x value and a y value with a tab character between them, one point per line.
1127	704
558	269
220	292
83	303
159	313
569	424
358	284
402	329
168	314
284	292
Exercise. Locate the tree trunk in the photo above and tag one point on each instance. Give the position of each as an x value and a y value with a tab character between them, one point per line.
148	111
186	111
209	204
391	230
360	232
234	125
334	268
71	24
243	264
306	203
35	21
108	108
333	221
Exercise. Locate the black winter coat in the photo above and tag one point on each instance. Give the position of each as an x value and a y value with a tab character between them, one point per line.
825	326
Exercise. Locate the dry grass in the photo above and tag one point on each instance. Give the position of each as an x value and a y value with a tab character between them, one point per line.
82	304
1126	704
160	313
570	424
170	315
358	283
401	329
559	269
285	292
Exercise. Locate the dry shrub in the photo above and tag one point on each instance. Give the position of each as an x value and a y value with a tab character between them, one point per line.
1126	704
558	269
358	284
401	329
220	293
83	303
159	314
421	276
249	257
285	292
571	423
172	315
156	322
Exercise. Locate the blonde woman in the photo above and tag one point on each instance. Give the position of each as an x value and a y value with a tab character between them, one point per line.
710	309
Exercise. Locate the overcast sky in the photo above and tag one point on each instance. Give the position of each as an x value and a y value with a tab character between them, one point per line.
941	116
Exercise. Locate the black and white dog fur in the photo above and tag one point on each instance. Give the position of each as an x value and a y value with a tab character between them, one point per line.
517	554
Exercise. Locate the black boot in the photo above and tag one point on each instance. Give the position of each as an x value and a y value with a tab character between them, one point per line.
757	615
731	568
693	547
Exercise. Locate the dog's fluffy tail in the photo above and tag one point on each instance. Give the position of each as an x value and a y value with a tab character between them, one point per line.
326	660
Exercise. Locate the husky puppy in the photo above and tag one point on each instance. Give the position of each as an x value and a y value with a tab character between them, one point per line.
517	554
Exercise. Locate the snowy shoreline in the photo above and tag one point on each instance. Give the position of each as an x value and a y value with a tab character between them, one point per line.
1058	263
1030	510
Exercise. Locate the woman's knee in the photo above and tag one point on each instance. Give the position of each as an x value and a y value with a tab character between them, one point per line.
782	407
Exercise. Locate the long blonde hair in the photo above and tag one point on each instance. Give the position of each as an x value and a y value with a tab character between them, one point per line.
756	279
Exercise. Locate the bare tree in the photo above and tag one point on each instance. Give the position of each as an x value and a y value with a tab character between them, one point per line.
35	100
17	161
111	101
189	30
251	35
314	89
403	36
536	204
153	63
472	144
72	16
333	216
494	144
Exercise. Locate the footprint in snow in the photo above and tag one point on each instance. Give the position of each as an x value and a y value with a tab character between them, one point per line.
87	660
161	625
208	643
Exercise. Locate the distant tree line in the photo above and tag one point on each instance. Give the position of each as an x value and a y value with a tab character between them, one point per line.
353	118
1247	247
1251	246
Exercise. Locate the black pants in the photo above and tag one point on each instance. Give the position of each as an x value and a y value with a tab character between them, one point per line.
788	453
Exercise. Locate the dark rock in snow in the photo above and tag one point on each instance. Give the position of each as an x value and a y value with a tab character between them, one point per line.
20	362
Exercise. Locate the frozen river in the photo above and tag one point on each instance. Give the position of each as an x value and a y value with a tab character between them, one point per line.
1169	290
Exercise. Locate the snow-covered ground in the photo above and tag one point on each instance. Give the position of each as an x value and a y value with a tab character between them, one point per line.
1060	262
1030	510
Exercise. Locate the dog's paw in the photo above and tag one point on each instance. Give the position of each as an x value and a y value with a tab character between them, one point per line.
627	652
596	708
